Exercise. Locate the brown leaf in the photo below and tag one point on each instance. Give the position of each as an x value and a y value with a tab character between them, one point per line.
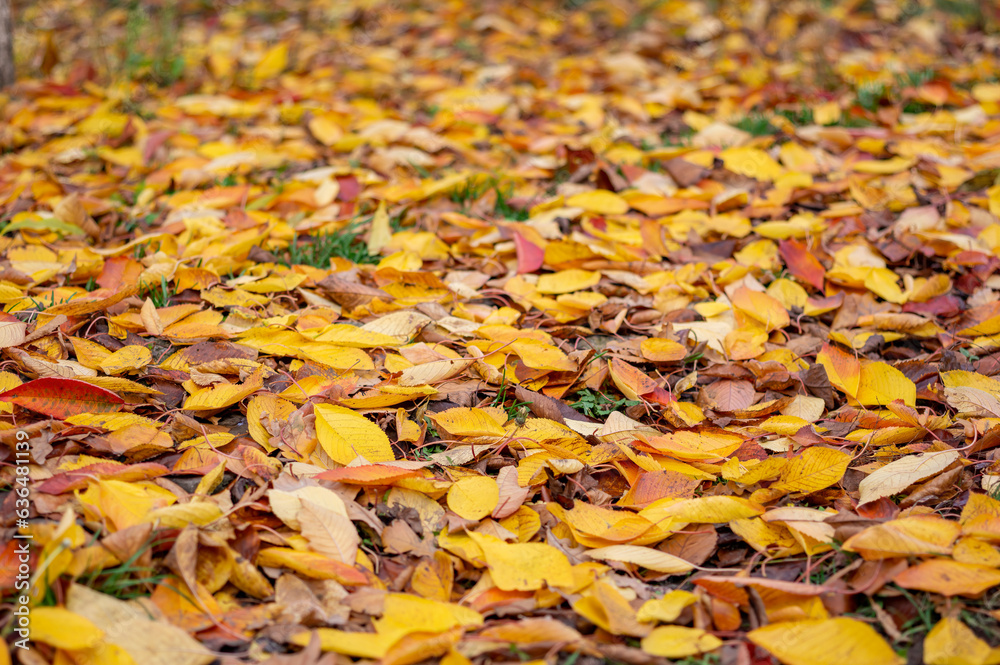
728	395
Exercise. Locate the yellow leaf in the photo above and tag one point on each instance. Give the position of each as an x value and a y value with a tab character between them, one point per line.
604	606
539	355
764	537
180	515
125	359
119	385
310	564
599	202
815	469
884	166
273	63
381	232
752	163
976	551
222	395
951	642
126	504
406	613
523	566
63	629
342	334
660	350
345	435
462	421
679	642
827	113
825	642
274	409
89	354
474	497
104	654
325	130
920	534
567	281
348	643
8	381
880	384
707	509
667	608
111	421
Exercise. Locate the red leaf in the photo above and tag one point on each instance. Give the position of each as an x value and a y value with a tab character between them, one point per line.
349	188
530	256
78	478
62	398
801	263
945	306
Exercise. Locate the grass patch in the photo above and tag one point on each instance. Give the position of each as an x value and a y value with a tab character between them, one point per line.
320	249
756	124
128	579
599	405
160	295
151	45
799	117
516	410
503	207
470	191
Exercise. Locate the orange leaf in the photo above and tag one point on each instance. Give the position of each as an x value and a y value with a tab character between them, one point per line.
949	578
368	474
801	263
843	369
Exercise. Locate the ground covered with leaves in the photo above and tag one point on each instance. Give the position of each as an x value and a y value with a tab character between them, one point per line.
593	332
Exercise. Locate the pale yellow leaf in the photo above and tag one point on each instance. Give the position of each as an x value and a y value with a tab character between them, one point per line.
12	333
647	557
151	318
380	233
896	476
328	532
286	505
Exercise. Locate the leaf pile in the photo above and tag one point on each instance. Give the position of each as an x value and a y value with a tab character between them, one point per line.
583	332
